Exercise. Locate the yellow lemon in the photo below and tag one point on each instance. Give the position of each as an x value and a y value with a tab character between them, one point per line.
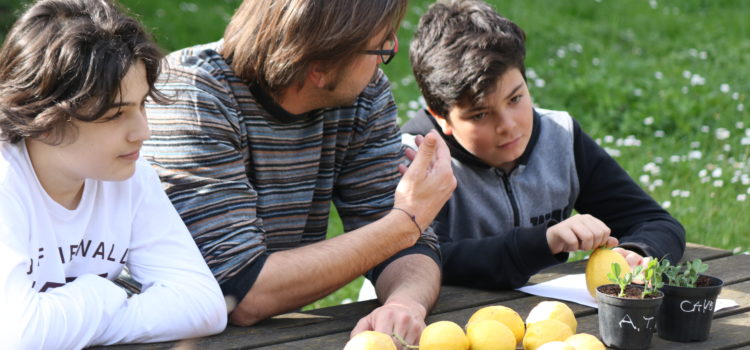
504	315
443	335
552	310
556	345
599	265
370	340
545	331
489	335
585	341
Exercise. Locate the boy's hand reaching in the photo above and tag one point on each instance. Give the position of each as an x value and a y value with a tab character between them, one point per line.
579	232
634	259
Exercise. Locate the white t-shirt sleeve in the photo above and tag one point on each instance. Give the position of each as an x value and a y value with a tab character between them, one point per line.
180	297
62	318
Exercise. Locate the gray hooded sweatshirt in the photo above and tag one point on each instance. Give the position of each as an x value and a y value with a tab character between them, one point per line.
493	229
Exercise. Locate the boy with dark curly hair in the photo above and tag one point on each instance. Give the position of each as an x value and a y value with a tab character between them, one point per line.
521	170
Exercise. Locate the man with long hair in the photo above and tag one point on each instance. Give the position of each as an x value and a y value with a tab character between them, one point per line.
286	114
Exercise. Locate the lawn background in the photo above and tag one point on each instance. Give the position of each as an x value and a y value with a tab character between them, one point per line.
662	85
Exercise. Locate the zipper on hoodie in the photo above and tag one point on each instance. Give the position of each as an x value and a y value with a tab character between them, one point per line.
511	196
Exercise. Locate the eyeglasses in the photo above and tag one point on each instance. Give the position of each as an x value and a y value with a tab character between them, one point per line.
387	51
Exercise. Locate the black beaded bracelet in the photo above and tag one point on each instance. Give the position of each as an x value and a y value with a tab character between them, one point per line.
412	217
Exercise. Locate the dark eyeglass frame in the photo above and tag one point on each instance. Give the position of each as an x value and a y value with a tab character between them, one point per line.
385	55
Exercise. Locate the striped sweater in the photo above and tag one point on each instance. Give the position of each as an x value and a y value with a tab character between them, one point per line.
250	179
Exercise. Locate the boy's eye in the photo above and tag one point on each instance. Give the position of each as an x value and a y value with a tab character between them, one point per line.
112	117
516	99
478	116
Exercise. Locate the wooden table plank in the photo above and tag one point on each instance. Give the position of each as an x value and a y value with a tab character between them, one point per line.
731	269
729	332
521	305
725	332
739	292
732	332
329	328
334	341
282	328
456	298
722	264
693	250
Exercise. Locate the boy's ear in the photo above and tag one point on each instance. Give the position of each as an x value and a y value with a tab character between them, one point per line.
444	123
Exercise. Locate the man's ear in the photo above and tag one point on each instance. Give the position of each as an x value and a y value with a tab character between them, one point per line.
444	123
317	75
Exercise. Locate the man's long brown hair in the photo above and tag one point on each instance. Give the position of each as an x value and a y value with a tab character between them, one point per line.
272	42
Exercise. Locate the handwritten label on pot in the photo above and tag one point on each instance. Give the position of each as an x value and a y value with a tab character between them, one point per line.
700	306
647	323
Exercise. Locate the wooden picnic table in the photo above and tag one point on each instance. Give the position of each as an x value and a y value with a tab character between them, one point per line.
328	328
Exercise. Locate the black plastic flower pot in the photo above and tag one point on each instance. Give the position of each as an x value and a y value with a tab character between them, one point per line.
626	323
686	313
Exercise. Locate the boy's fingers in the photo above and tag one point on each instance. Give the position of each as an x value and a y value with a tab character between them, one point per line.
600	230
587	244
570	240
620	251
634	259
607	234
584	236
601	238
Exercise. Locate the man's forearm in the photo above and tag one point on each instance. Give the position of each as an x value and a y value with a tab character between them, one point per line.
293	278
412	279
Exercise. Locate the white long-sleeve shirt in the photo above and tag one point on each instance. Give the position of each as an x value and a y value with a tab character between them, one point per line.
57	265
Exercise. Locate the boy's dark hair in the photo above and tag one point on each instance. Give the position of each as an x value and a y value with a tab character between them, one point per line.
460	49
66	59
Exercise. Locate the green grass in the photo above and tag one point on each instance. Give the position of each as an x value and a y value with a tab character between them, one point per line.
662	83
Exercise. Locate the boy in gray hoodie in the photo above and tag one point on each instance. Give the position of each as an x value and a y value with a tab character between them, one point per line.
521	170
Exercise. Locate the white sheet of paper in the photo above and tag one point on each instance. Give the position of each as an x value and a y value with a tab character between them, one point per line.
725	304
569	288
573	288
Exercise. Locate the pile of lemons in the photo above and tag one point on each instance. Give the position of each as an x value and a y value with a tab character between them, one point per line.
550	325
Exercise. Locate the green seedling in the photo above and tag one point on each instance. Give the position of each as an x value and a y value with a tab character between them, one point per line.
626	278
687	275
651	276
